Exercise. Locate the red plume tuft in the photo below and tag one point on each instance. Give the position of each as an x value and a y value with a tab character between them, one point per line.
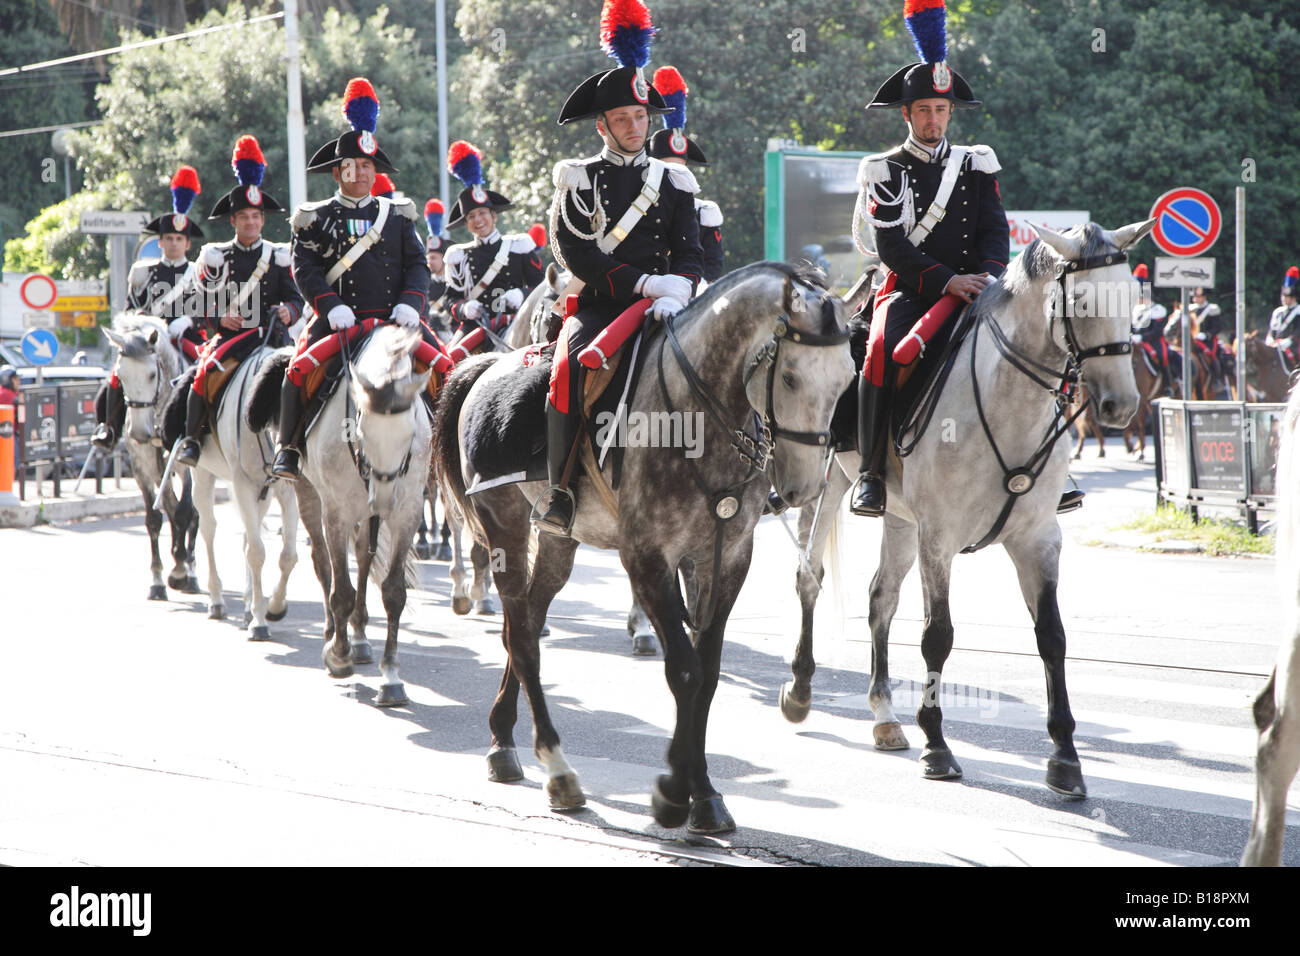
434	205
667	80
187	177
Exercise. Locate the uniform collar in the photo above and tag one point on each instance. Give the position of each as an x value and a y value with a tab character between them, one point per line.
176	263
494	238
923	152
243	248
621	159
352	203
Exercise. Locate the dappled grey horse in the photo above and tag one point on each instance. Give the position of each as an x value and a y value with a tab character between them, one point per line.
1277	709
146	367
990	470
759	360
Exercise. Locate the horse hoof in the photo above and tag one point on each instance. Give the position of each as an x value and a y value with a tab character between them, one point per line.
392	695
794	710
889	736
361	654
261	633
461	605
484	607
217	612
177	582
192	585
643	645
157	592
667	813
564	793
248	618
1066	777
277	615
545	631
503	766
423	550
939	765
443	553
334	666
710	816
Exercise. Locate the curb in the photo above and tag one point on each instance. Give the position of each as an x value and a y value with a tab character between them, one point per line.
116	504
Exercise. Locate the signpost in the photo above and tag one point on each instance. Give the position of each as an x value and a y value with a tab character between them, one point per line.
38	292
118	226
1184	273
1187	224
40	346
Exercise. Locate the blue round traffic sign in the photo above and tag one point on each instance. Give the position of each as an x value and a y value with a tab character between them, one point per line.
40	346
1187	221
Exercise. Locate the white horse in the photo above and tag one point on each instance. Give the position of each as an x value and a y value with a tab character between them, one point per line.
242	458
146	366
367	461
1277	709
1062	304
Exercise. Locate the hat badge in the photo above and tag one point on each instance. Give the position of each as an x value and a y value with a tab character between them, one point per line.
640	89
179	222
254	195
480	196
677	142
942	78
366	141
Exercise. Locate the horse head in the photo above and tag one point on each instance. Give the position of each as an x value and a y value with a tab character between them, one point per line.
143	372
1090	296
384	390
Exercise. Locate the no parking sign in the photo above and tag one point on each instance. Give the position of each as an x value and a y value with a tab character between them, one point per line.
1187	221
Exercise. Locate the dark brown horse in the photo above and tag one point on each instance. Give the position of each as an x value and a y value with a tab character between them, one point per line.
1267	378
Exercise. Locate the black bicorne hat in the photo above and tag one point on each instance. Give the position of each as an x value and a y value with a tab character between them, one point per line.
249	165
671	142
466	164
625	33
932	77
185	187
674	144
361	107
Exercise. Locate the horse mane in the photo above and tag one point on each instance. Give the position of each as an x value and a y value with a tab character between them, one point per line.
384	363
1039	261
801	274
134	327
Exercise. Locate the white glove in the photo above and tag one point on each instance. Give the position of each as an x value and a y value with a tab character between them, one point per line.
472	310
513	300
665	307
213	258
341	317
178	327
670	286
405	316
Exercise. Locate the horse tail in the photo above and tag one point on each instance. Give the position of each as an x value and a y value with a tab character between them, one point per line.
264	402
383	560
446	439
173	420
833	575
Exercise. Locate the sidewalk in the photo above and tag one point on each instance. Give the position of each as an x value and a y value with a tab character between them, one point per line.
41	507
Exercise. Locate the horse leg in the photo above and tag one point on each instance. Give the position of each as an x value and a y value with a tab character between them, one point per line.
204	500
460	602
479	590
898	547
278	606
1277	758
1037	559
444	547
335	654
796	696
191	535
361	652
638	628
393	591
423	549
252	511
182	515
309	509
937	761
153	521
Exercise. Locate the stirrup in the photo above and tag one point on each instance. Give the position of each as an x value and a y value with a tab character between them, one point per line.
550	522
1071	500
775	504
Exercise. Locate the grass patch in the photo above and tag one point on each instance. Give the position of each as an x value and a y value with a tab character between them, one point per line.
1216	536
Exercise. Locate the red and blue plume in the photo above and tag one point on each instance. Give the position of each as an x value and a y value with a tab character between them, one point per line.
925	21
361	105
537	232
1140	273
248	162
433	211
625	31
383	186
673	89
185	186
465	163
1292	279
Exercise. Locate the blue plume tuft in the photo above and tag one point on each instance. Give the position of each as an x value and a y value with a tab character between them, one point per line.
677	103
929	34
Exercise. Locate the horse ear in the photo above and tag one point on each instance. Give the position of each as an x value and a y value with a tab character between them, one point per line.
417	384
1068	249
1125	236
113	337
360	386
152	338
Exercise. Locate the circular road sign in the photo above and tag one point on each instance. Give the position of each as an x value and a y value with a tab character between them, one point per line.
1187	221
38	291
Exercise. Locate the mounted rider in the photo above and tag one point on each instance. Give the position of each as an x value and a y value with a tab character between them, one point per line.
158	287
1284	324
1148	325
355	257
937	224
1209	323
435	251
622	222
249	296
488	277
672	146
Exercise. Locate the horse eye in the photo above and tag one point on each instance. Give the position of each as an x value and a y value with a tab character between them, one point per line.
789	380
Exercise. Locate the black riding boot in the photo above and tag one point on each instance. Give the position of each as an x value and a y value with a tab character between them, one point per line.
195	408
114	420
873	429
291	408
557	515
